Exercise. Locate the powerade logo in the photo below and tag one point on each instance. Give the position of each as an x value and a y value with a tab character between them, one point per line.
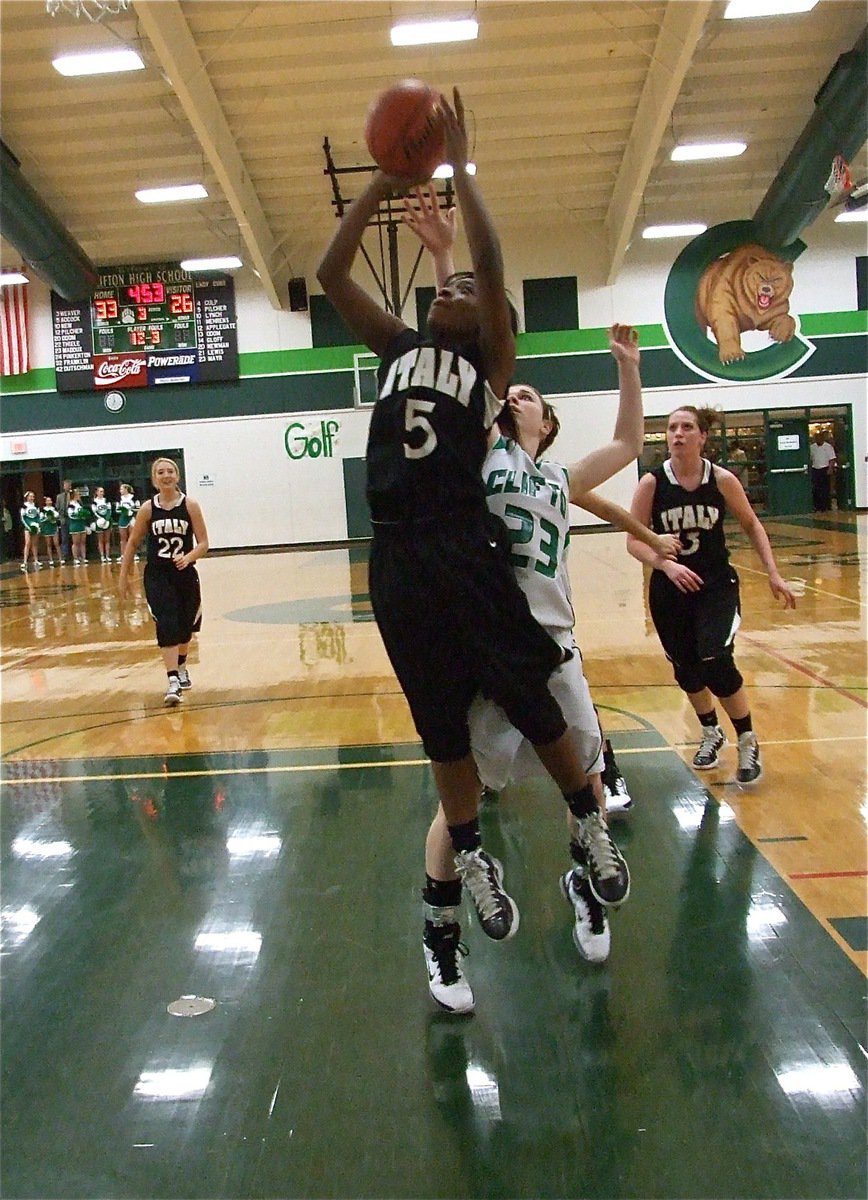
301	444
726	283
171	360
173	368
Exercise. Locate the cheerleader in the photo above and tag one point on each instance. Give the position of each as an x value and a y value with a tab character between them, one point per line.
177	537
78	517
30	521
125	512
102	517
48	527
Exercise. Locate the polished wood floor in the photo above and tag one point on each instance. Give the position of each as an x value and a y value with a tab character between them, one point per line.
261	845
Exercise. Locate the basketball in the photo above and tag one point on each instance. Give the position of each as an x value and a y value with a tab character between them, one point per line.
404	132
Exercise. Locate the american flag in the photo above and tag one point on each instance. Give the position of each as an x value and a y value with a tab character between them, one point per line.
14	339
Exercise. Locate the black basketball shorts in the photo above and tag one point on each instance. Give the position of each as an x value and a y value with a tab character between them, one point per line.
694	627
175	601
455	622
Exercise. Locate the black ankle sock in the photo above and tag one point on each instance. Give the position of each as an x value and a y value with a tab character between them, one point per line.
466	836
742	724
442	893
583	802
173	674
709	718
182	658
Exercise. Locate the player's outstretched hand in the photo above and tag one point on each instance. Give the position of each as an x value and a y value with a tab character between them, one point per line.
781	590
624	343
433	226
454	132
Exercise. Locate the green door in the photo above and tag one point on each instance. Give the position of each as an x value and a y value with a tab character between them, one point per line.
787	457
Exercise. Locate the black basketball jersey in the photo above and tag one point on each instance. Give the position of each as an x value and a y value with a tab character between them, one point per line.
427	439
696	517
170	533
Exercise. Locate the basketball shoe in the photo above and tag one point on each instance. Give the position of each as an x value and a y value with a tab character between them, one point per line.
591	928
713	739
750	767
443	953
184	678
618	799
482	875
173	692
608	873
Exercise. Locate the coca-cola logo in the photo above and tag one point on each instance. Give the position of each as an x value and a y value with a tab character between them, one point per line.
111	371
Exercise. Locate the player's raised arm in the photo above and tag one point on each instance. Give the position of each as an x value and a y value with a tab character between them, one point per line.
497	339
365	317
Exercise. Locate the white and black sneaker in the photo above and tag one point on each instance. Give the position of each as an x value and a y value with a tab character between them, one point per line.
608	873
591	928
184	678
713	740
750	767
443	953
482	875
172	697
618	799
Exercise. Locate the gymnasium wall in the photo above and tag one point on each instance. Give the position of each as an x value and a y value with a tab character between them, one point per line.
277	457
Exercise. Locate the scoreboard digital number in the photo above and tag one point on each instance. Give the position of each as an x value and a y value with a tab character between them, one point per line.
146	326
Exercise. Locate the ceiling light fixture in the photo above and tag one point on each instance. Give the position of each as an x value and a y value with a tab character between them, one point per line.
698	151
427	33
166	195
98	62
671	231
228	263
445	171
737	9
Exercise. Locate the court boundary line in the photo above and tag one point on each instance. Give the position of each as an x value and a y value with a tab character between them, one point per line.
295	768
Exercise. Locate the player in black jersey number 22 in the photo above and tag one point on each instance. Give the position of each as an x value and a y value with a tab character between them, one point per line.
177	537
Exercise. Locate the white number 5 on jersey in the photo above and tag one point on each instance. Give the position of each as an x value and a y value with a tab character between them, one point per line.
413	419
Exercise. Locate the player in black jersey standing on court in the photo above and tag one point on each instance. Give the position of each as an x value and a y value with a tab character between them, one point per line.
177	537
694	601
451	614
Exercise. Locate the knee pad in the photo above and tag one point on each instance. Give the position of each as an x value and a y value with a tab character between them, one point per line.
690	676
722	676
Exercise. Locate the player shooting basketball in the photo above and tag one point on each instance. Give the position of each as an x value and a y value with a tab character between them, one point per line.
452	617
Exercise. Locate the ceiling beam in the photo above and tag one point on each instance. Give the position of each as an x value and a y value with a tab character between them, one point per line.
164	24
680	31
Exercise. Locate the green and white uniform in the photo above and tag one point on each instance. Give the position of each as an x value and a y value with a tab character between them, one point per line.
30	518
126	509
78	516
48	520
532	500
102	514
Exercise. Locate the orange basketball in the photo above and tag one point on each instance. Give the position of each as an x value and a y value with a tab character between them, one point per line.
404	132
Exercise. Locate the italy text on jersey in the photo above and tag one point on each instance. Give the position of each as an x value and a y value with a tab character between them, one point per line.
430	367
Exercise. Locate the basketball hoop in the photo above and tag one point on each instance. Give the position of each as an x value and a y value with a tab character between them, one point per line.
94	10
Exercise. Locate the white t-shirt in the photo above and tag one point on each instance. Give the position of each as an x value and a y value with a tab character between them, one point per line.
822	455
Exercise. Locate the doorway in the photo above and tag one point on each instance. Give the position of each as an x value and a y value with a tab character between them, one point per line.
45	477
787	457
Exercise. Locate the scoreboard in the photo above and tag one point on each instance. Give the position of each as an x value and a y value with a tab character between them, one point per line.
145	326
